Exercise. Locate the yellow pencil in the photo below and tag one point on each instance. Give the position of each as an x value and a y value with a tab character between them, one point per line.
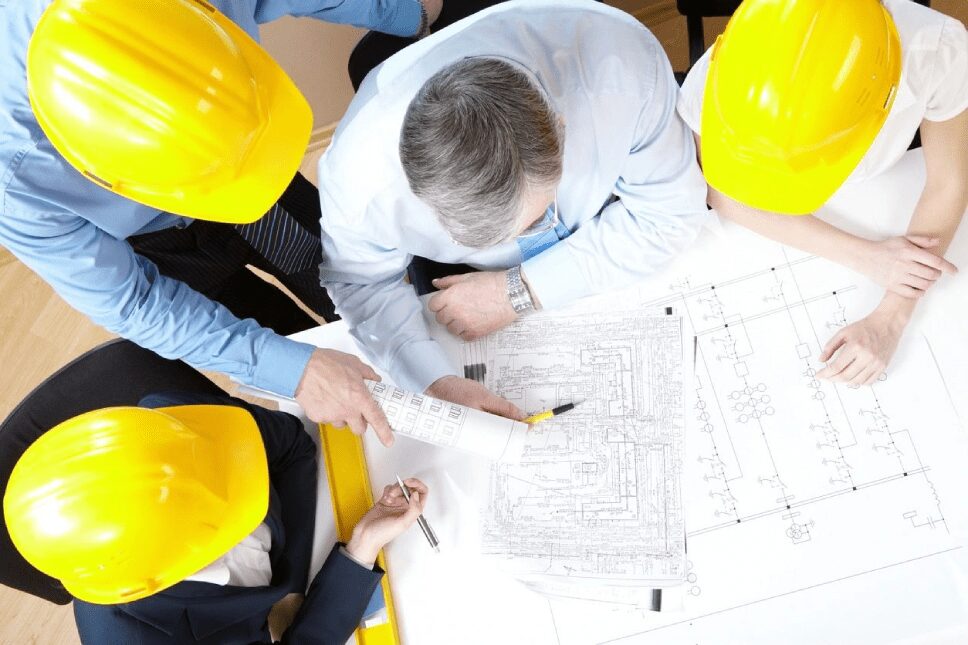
547	414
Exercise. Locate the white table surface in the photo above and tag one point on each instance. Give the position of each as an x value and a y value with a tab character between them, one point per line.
454	597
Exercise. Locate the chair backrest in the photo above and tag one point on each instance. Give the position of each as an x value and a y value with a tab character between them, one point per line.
116	373
695	11
707	8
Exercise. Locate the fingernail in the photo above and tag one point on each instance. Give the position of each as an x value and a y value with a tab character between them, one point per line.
435	281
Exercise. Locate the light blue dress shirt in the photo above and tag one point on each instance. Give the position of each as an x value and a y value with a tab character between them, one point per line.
72	232
607	76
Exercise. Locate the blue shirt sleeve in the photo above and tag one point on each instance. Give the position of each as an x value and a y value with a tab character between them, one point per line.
103	278
397	17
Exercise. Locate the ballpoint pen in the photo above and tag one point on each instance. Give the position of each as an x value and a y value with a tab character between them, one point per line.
547	414
424	526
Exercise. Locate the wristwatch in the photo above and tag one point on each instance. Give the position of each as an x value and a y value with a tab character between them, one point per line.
518	292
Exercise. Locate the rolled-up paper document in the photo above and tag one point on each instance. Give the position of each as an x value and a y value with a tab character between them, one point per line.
443	423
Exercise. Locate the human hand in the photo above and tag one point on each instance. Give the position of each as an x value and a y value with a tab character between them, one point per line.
864	348
473	304
903	265
331	390
389	517
472	394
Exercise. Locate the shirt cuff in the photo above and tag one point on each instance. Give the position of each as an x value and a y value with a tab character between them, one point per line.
280	365
406	22
366	565
419	363
554	277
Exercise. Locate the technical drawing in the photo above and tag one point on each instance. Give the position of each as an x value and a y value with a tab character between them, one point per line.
817	481
447	424
596	497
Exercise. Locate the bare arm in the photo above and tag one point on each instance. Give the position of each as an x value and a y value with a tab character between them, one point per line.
945	196
804	232
867	345
902	265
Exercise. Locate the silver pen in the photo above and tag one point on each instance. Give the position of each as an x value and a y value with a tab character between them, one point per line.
424	526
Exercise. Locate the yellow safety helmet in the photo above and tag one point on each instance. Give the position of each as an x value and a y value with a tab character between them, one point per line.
797	91
167	103
121	503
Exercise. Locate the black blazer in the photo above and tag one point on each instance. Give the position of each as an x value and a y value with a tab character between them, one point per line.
201	612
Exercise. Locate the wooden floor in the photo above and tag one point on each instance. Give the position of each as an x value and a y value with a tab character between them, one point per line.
39	333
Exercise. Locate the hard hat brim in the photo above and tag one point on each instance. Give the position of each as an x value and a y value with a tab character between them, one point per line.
772	189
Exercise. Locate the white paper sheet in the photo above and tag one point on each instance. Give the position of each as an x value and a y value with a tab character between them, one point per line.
815	513
449	425
596	496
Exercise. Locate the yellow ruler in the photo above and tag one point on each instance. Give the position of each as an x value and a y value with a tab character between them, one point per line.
349	488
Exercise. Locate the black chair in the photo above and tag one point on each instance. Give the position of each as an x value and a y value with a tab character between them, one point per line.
695	11
116	373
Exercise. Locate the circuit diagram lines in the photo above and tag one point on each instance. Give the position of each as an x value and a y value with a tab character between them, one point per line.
776	437
596	497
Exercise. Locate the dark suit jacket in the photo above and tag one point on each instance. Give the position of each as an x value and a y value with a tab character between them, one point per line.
201	612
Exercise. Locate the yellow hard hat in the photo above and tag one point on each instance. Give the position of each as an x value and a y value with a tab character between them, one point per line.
167	103
797	91
121	503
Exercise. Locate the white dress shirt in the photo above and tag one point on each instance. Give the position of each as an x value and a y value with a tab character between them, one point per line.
608	78
247	564
934	83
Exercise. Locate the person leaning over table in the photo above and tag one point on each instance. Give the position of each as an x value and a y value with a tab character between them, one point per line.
537	141
798	98
139	145
184	520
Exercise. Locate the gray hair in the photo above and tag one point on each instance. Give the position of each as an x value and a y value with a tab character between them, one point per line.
476	138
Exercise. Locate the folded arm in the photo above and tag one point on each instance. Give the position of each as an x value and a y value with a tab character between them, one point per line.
384	314
660	209
861	351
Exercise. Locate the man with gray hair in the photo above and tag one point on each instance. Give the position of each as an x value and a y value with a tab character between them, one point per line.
536	141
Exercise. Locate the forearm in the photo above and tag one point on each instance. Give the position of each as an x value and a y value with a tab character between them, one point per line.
102	278
335	601
396	17
386	319
804	232
938	214
610	251
170	318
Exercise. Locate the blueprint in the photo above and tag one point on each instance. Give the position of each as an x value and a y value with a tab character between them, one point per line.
595	497
829	494
447	424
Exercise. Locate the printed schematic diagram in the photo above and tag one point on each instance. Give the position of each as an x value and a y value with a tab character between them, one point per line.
596	496
819	482
773	440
